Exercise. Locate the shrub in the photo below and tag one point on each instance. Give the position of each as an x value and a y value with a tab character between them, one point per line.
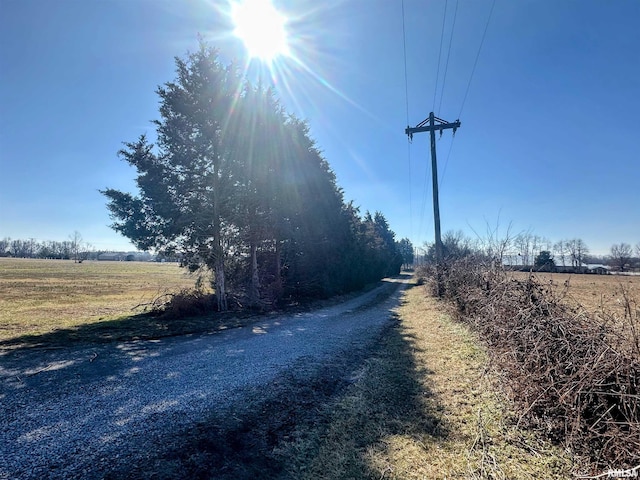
185	303
573	375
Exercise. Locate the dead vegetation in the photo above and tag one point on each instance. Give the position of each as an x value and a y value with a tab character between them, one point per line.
188	302
573	373
423	405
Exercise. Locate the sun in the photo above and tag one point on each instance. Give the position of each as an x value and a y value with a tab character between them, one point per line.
261	28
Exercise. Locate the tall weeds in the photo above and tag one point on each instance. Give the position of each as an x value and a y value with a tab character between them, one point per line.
574	375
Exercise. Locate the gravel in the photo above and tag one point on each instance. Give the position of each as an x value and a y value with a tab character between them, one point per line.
85	411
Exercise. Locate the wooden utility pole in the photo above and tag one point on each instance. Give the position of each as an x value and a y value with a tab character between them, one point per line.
432	124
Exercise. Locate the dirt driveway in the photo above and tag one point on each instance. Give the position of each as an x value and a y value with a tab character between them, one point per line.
112	411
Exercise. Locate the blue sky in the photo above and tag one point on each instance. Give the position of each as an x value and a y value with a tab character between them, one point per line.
549	140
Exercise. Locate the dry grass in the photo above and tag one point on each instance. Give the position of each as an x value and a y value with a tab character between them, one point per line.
424	406
593	292
40	296
53	303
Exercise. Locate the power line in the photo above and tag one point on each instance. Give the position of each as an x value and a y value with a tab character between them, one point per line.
444	80
406	96
435	123
435	90
424	197
446	162
475	63
446	66
435	93
410	188
404	47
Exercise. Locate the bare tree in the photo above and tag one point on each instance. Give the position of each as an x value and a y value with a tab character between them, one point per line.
5	243
19	248
495	244
31	247
560	253
539	244
523	243
582	251
638	249
76	246
536	245
456	245
621	254
578	250
86	250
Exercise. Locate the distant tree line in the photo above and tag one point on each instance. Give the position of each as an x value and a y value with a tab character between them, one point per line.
72	249
236	185
528	251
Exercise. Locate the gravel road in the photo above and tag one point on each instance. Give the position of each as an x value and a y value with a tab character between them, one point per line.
85	411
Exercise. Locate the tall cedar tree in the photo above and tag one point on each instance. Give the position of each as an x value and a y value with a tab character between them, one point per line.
238	185
186	193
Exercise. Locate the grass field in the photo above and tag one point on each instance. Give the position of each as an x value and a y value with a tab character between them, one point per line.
40	296
43	296
593	292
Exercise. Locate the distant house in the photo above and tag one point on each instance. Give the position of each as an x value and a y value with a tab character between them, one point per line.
111	257
582	268
566	265
562	264
126	257
514	262
598	269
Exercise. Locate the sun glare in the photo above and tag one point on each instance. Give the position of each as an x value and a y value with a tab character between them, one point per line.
261	28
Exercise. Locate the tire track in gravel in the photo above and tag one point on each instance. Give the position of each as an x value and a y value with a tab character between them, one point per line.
91	410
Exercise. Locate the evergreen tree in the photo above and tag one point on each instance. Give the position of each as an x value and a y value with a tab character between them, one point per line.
237	185
405	248
186	192
544	261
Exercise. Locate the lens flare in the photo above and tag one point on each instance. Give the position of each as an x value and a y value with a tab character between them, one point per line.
261	28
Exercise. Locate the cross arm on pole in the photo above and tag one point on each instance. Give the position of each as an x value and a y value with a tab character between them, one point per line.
433	124
435	127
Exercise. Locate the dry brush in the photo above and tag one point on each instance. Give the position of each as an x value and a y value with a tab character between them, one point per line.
574	375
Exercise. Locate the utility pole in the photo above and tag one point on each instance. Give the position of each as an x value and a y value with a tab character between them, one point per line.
432	124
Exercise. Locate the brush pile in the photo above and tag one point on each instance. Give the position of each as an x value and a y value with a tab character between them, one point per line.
573	374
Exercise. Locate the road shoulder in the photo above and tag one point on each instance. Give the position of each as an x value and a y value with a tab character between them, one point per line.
426	405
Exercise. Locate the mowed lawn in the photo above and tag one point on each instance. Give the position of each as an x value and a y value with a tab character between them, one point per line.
40	296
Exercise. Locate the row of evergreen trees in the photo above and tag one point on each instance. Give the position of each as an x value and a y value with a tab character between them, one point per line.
237	185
